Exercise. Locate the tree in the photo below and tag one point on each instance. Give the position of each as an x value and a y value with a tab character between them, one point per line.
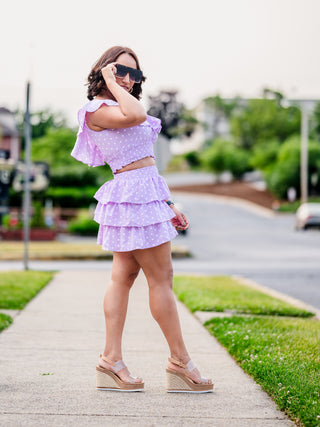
264	155
285	172
41	122
220	112
222	107
176	119
315	123
224	156
55	147
261	120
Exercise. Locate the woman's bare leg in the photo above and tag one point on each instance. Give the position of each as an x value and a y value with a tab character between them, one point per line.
124	271
157	266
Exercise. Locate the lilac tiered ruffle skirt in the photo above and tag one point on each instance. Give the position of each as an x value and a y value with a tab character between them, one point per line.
132	211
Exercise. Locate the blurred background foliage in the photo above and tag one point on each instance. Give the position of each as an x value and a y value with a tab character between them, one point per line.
72	184
264	135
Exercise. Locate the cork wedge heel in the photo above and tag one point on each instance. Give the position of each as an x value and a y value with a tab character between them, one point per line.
107	379
179	382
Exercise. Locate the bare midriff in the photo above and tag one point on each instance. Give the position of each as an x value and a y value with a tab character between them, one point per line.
138	164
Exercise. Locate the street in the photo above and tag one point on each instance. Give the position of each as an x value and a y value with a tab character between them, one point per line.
228	239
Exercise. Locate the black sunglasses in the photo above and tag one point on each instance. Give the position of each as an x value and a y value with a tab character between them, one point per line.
134	75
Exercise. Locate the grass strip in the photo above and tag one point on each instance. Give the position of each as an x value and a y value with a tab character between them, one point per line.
17	288
222	293
53	250
291	207
56	250
5	321
282	355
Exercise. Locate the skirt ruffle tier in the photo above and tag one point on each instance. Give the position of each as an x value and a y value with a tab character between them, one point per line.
132	212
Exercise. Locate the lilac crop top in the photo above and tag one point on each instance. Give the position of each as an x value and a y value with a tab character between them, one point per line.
117	147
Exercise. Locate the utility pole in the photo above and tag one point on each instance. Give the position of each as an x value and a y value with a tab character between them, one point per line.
304	151
27	195
306	107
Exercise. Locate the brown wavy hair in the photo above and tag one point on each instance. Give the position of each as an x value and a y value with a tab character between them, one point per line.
96	83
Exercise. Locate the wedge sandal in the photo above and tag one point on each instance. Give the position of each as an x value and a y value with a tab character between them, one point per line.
178	382
108	379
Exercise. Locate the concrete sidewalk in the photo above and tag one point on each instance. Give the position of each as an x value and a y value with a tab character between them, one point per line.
48	359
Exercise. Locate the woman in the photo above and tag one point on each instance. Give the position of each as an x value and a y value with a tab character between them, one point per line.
136	216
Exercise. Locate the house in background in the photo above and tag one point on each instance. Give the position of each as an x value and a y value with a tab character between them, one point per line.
9	156
9	136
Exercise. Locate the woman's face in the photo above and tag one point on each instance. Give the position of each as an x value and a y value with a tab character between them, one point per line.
128	61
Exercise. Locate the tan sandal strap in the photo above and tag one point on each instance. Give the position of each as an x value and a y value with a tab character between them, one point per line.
107	360
177	362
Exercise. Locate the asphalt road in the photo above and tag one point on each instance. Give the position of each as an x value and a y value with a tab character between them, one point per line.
229	239
232	239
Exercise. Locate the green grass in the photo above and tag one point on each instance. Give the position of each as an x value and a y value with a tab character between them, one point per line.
282	355
292	207
214	293
53	250
17	288
5	321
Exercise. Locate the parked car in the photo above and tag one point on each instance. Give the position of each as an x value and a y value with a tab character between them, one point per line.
307	216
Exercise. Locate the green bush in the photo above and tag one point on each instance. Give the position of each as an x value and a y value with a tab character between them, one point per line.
80	176
37	220
177	164
264	155
239	162
65	197
193	158
83	225
224	156
71	197
285	173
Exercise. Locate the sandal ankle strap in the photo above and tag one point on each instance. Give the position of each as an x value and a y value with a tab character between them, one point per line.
177	362
107	360
117	366
190	366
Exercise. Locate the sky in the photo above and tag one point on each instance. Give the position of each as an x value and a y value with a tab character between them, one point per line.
199	48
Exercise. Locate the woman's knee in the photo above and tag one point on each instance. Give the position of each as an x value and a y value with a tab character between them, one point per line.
124	279
161	278
132	277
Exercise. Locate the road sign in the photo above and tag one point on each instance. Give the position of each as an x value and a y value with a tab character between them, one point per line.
38	179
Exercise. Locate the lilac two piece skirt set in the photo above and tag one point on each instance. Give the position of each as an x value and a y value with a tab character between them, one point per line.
131	210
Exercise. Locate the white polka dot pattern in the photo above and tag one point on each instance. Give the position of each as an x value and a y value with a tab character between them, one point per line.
116	147
132	211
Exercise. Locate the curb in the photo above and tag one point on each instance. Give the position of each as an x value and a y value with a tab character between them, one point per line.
273	293
245	204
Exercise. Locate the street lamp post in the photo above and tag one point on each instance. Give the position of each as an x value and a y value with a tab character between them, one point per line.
27	195
304	152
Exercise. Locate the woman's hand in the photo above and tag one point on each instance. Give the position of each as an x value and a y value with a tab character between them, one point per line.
180	221
109	73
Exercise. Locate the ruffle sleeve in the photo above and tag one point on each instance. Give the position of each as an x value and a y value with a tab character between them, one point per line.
155	125
85	150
